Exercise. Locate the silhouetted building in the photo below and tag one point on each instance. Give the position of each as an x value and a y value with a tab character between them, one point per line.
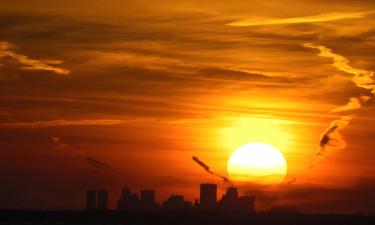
246	203
196	203
148	197
102	203
90	199
124	203
177	202
134	202
147	202
208	194
231	202
232	194
284	210
131	201
126	192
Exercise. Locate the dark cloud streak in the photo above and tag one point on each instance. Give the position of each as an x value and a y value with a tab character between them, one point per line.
208	170
96	163
326	139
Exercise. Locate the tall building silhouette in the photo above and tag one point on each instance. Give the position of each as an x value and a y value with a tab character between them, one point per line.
90	199
232	194
132	202
102	203
126	193
208	194
147	201
148	196
124	203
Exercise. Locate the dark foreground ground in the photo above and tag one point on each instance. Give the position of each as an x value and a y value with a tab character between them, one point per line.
175	218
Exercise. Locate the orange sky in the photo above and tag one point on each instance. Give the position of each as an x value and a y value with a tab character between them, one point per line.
142	86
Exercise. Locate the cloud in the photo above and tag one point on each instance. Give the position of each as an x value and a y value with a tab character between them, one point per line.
353	104
96	163
31	64
291	181
331	137
298	20
208	170
313	198
88	159
59	143
59	123
362	78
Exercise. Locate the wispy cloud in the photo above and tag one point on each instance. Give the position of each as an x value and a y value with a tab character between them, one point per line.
59	143
208	170
59	123
331	137
296	20
96	163
362	78
88	159
353	104
31	64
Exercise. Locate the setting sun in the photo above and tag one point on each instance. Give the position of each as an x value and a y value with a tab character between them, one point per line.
257	162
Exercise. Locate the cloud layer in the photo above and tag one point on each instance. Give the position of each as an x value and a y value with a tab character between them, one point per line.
166	80
59	123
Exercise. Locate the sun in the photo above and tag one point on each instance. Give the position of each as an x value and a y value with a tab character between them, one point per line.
257	162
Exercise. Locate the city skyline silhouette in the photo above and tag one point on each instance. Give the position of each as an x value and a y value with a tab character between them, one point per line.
188	112
128	201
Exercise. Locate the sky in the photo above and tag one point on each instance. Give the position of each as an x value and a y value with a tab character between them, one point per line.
123	93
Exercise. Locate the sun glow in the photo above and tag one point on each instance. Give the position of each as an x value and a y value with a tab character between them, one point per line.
257	162
248	130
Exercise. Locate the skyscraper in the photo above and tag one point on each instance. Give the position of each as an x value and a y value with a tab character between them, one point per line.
102	199
126	192
90	199
148	198
232	194
125	201
208	194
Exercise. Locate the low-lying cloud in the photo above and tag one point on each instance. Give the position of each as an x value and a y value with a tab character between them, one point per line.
315	198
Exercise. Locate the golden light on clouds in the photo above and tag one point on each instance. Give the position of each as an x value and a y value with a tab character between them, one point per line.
298	20
246	130
331	137
31	64
362	78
